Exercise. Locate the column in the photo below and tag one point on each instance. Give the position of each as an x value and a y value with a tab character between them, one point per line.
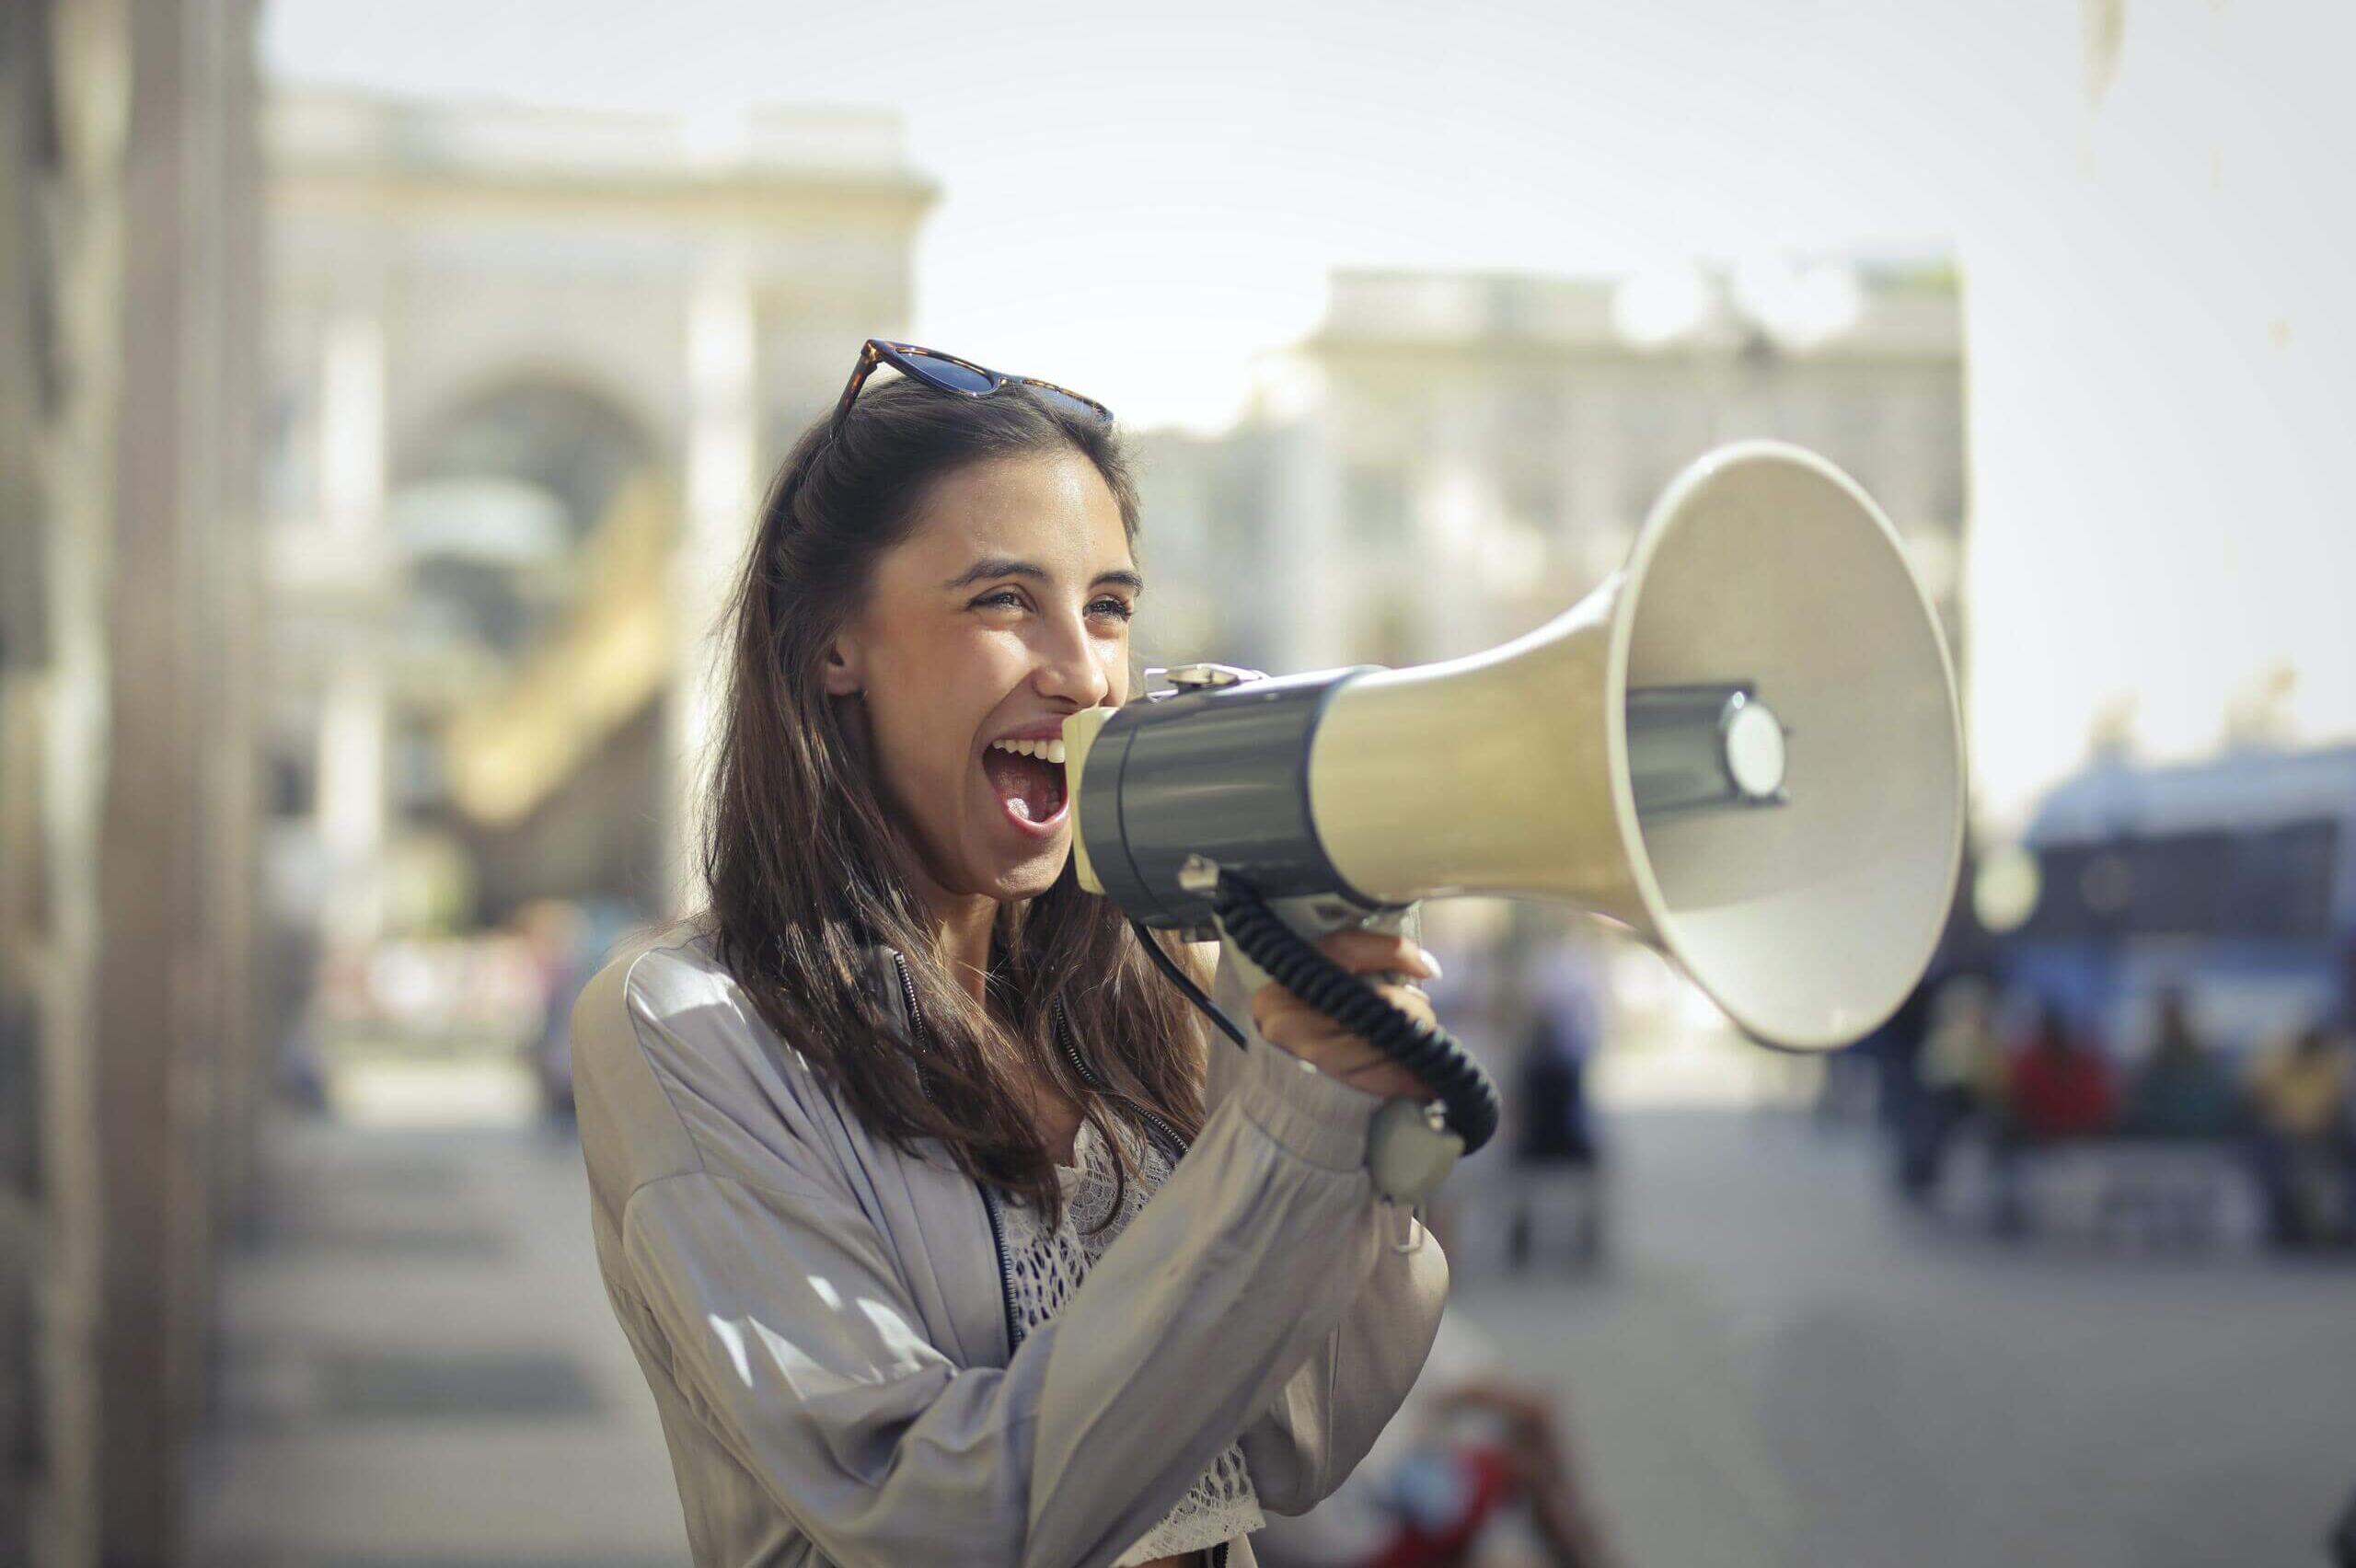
718	518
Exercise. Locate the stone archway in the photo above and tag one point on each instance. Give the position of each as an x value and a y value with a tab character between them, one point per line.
534	522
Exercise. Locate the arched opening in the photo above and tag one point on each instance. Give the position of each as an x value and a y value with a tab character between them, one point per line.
533	523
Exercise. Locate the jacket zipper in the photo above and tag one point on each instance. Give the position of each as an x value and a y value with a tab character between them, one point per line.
1005	1269
1173	1147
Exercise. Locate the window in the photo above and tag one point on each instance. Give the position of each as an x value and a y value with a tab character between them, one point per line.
2281	885
2265	884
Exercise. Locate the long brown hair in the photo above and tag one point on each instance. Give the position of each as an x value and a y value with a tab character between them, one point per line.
804	862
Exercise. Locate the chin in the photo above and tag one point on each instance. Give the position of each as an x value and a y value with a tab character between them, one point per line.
1034	877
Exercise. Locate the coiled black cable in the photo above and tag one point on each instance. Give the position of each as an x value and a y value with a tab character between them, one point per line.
1431	1054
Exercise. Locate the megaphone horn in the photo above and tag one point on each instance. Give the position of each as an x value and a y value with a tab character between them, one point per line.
1745	746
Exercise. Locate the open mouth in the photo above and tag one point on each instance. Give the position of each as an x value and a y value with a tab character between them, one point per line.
1031	786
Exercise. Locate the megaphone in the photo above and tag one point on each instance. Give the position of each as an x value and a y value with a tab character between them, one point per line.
1745	747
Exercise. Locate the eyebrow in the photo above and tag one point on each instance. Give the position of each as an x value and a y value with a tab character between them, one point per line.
1003	566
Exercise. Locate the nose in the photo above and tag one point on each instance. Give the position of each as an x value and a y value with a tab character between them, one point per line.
1073	663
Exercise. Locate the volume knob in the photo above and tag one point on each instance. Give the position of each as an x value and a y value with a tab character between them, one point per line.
1205	677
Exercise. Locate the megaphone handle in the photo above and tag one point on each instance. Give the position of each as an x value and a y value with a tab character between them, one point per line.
1313	918
1410	1148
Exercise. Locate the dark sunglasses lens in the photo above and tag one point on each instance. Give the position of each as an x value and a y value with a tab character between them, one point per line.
949	373
1080	407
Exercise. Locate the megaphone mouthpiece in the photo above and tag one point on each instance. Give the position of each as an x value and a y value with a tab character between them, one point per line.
1692	748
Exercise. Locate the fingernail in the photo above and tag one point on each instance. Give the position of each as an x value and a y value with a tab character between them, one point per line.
1430	961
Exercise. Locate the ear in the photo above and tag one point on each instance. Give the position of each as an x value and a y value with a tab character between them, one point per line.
842	671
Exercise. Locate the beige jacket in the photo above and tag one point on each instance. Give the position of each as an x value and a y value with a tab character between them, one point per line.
823	1319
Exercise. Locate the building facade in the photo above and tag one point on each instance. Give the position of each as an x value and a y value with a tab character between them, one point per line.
1450	459
527	371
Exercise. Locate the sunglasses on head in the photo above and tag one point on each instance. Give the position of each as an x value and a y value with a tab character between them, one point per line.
947	373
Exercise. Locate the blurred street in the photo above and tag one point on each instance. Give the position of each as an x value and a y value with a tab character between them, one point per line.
420	1367
1776	1366
1782	1369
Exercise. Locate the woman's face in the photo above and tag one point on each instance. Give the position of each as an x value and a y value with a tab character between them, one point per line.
1006	609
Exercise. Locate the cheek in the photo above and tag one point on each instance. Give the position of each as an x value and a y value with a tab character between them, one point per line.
935	728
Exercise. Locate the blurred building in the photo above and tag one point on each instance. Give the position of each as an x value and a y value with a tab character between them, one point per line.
129	973
527	370
1451	459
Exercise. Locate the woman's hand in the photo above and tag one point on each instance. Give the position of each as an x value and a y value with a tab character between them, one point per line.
1287	1021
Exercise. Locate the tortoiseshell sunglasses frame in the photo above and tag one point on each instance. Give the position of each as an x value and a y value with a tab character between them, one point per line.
908	360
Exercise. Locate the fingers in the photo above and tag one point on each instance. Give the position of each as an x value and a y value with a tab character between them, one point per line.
1386	1078
1364	952
1361	952
1273	1001
1285	1020
1392	964
1274	997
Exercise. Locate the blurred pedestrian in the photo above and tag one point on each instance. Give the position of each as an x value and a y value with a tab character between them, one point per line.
2299	1092
2341	1542
1961	1076
1471	1443
1555	1136
2182	1091
2057	1088
2059	1084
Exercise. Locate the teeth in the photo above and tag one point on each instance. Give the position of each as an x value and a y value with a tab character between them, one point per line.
1045	751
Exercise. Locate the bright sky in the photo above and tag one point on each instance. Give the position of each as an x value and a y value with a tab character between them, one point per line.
1139	197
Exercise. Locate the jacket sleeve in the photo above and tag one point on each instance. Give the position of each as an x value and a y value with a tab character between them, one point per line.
1328	1414
790	1330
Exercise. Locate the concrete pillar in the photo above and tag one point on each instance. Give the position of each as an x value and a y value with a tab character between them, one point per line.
714	526
84	84
126	726
158	1005
354	719
352	742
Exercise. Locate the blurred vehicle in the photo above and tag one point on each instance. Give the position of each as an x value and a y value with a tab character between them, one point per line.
2234	879
2184	921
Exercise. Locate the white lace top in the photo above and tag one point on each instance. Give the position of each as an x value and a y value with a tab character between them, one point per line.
1046	1267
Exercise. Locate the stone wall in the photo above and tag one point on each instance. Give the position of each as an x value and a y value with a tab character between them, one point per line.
128	1029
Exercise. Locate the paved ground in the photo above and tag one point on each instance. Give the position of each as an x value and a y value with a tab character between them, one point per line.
1779	1368
1773	1369
421	1368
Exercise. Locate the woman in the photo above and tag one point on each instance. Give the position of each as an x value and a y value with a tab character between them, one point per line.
869	1141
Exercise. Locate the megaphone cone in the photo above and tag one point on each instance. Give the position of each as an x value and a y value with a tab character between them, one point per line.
1516	772
1745	746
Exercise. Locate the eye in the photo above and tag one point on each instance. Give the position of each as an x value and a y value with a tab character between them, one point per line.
1108	605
